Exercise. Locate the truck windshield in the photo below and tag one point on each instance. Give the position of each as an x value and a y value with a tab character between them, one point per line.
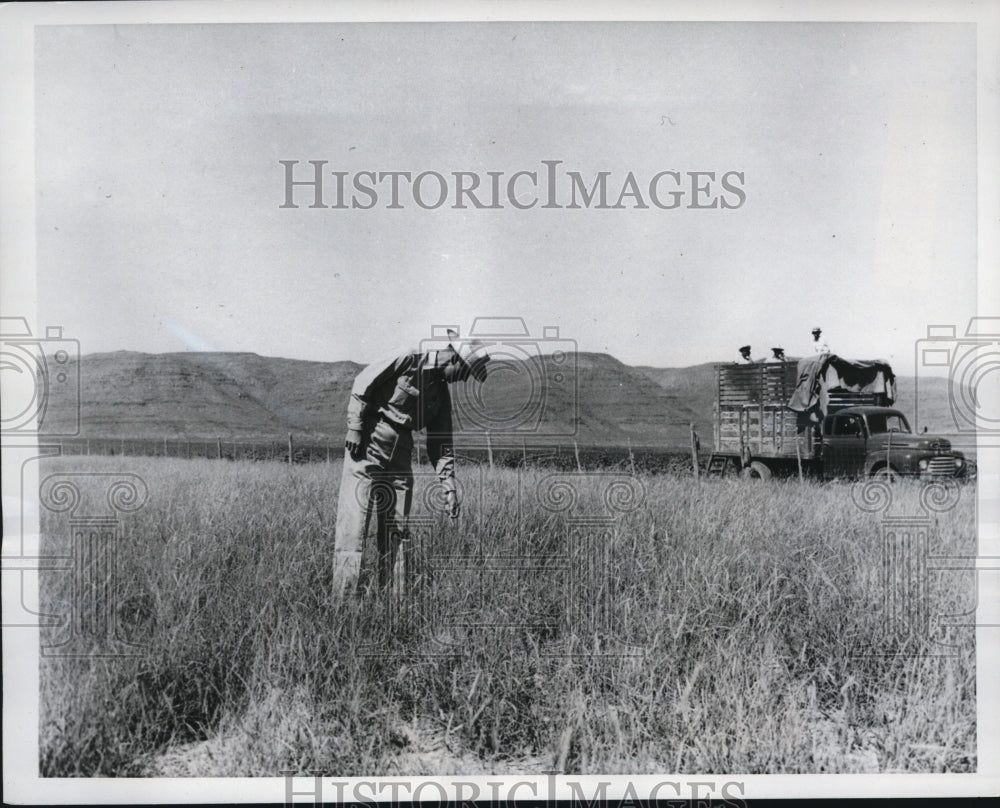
892	422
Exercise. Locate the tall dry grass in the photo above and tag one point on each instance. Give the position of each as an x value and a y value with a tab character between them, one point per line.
720	632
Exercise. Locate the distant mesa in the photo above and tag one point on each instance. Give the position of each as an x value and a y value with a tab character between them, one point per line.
598	400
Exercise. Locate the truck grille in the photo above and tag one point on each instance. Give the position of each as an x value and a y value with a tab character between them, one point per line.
941	466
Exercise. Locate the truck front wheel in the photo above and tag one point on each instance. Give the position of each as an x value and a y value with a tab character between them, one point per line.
756	471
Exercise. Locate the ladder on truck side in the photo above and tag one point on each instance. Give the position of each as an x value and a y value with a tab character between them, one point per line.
718	463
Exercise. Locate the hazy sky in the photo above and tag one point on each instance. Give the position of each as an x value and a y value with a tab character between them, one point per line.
159	185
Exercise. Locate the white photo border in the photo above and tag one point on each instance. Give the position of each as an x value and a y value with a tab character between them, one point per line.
17	293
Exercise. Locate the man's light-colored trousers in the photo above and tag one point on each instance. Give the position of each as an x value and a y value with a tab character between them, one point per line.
372	515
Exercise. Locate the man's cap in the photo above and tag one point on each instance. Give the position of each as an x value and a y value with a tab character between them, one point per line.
817	330
745	349
777	350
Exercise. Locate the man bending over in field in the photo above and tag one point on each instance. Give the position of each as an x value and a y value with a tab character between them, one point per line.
391	399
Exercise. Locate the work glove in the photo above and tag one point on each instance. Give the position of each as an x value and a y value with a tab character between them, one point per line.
452	504
355	444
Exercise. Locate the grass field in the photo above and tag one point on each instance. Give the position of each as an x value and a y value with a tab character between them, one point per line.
714	626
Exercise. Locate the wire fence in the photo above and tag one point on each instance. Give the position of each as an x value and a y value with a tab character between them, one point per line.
300	451
305	450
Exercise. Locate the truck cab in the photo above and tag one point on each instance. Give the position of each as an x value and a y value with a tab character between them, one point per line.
873	441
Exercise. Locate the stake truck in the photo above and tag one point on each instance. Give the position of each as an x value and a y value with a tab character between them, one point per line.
822	416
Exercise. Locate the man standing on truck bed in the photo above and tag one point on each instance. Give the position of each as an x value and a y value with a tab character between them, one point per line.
818	345
389	400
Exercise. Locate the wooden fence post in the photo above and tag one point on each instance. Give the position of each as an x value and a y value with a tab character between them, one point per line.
218	448
489	448
289	448
576	452
694	452
524	452
631	457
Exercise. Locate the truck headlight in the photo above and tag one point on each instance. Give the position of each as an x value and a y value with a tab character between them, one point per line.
923	464
959	462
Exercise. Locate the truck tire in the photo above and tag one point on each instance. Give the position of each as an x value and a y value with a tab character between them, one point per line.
756	471
886	474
